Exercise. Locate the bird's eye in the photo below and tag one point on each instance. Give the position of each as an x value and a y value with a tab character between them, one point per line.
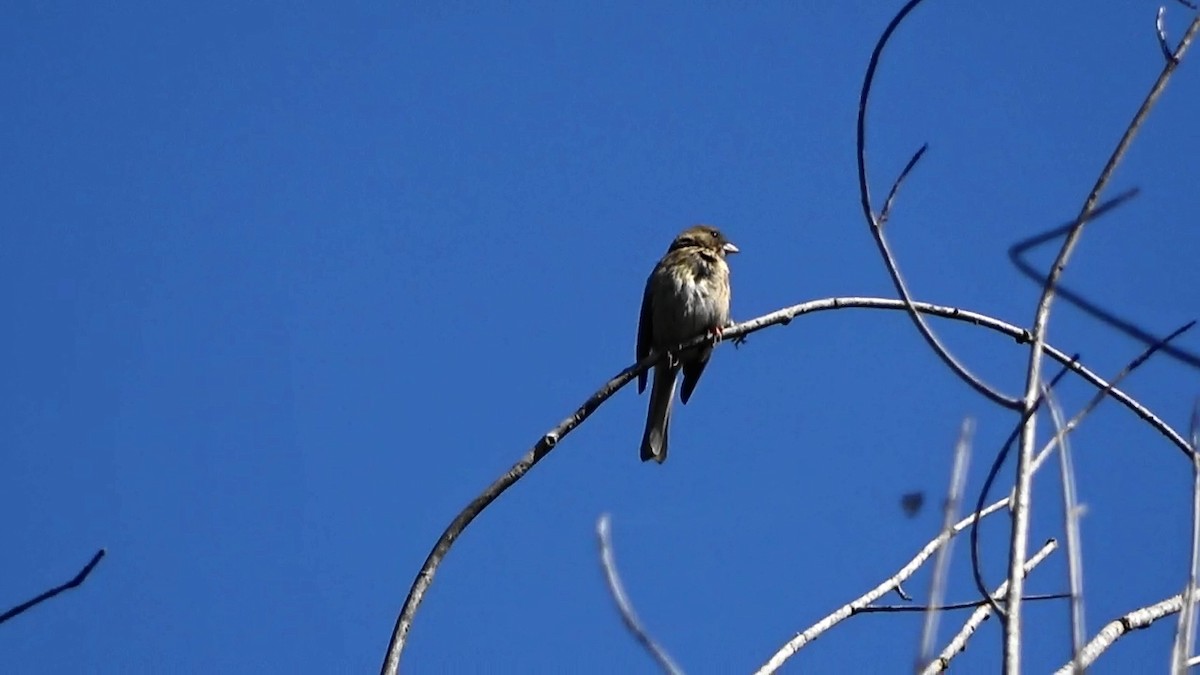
715	234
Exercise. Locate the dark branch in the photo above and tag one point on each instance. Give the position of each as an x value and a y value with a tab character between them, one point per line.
875	224
1016	254
873	609
79	579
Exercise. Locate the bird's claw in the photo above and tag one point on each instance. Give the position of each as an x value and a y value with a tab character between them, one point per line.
672	359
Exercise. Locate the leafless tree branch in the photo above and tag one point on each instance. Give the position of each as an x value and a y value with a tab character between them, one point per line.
959	642
1071	514
551	438
941	567
1033	376
74	582
993	472
1016	254
608	564
1118	628
875	223
1186	633
950	606
855	606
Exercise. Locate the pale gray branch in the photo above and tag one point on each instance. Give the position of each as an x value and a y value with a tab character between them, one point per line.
941	567
1118	628
608	563
959	642
845	611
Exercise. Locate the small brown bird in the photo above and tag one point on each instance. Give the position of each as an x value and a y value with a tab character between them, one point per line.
687	294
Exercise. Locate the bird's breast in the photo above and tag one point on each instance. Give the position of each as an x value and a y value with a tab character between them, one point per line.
691	304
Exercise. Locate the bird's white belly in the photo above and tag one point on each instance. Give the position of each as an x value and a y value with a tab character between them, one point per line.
698	308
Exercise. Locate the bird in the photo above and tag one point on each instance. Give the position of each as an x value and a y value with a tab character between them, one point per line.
686	294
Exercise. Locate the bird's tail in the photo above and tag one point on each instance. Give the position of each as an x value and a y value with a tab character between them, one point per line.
658	419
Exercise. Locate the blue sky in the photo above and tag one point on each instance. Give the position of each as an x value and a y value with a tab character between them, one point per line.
286	284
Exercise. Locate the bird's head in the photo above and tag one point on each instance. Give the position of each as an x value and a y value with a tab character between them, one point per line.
705	237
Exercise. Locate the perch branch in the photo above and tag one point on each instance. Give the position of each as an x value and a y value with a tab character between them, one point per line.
550	439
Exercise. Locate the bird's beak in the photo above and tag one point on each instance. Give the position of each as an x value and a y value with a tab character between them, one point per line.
729	248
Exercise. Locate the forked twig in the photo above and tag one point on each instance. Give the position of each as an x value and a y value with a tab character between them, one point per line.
875	223
993	472
959	641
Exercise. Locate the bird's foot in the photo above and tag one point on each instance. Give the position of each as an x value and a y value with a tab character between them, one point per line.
672	359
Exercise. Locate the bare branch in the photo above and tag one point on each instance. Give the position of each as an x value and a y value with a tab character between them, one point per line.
624	607
886	211
937	587
783	316
1071	512
1016	254
1075	421
971	604
1033	376
855	606
1186	632
74	582
1161	31
876	223
959	642
993	472
1118	628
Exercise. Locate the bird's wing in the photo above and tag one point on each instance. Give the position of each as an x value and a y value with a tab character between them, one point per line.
645	337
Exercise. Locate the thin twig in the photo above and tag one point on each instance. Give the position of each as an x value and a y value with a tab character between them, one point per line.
1033	376
550	439
624	607
941	566
74	582
1161	31
969	604
1071	514
886	211
959	641
876	223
